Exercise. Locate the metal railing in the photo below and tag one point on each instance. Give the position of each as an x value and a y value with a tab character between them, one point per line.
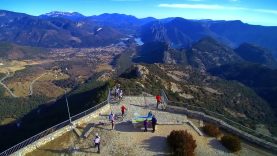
221	117
51	130
164	97
34	138
137	91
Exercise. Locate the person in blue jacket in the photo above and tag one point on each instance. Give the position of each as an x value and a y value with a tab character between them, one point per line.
154	122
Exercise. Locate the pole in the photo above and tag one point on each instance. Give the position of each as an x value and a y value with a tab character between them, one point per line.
109	93
67	106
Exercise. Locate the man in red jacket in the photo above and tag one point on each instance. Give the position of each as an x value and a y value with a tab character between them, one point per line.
158	98
123	108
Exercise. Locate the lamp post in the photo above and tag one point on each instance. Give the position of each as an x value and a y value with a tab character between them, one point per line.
67	107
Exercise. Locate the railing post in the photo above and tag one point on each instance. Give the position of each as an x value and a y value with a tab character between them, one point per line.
109	93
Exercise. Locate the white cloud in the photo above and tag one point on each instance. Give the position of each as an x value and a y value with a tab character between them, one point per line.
196	0
214	7
125	0
191	6
266	11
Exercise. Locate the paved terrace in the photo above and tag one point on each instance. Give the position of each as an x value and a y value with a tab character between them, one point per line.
127	140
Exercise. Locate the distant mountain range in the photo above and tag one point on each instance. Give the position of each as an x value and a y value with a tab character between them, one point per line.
182	33
64	29
54	32
205	54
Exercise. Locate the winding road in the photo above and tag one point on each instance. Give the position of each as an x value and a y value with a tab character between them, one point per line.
32	83
7	88
30	87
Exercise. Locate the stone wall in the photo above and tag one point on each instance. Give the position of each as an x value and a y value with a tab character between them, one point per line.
35	145
224	125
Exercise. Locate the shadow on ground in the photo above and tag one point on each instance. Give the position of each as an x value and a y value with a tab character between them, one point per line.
215	144
126	127
157	144
71	150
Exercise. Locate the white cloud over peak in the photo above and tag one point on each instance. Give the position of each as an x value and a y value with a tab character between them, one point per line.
214	7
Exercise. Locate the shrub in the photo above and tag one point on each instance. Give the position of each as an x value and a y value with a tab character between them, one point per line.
182	143
211	130
231	142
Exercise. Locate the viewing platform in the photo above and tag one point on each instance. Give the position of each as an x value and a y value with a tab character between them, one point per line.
129	139
125	139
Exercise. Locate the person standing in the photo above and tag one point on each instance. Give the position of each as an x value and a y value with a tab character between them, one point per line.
158	98
111	118
154	122
97	142
123	108
145	125
120	94
117	93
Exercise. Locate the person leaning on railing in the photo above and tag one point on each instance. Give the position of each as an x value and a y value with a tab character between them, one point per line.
158	98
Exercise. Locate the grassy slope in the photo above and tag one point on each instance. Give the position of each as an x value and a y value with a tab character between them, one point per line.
234	96
45	116
9	50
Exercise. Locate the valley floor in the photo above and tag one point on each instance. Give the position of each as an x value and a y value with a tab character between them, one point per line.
127	140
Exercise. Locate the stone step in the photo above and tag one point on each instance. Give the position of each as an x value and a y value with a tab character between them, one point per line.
86	134
77	131
195	128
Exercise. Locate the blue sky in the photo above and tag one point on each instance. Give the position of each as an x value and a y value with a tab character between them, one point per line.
261	12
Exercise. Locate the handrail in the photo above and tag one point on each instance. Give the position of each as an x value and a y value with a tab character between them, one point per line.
50	130
136	91
240	126
33	138
84	113
225	118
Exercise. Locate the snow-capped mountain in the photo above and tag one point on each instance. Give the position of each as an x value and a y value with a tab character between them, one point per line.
68	15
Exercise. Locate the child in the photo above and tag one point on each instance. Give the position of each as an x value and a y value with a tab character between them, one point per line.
145	125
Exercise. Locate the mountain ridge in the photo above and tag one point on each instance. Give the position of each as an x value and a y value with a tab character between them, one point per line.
176	31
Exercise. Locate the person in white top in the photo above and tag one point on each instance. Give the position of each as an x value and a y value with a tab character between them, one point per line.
117	90
97	142
111	118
